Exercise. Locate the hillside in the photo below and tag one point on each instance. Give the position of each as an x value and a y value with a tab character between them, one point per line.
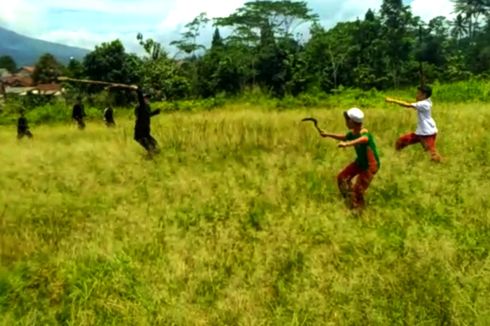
26	50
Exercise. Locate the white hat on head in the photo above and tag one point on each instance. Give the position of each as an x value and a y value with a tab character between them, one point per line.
355	115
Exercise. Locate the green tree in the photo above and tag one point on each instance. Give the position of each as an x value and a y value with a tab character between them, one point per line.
47	69
263	30
209	78
370	70
396	19
75	69
472	10
110	62
331	53
188	44
217	41
433	42
478	53
270	72
282	16
160	75
340	49
8	63
459	29
164	79
152	48
235	69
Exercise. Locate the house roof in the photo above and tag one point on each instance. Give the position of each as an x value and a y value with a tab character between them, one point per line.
48	87
18	90
29	69
17	81
42	89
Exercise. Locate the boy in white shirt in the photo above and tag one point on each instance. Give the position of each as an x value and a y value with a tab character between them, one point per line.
426	131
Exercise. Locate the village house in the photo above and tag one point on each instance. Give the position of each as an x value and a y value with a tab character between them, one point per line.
22	78
48	89
21	83
4	73
25	71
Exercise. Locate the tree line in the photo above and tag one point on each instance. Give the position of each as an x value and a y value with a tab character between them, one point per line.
265	47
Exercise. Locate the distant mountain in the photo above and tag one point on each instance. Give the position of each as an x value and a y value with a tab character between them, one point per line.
26	51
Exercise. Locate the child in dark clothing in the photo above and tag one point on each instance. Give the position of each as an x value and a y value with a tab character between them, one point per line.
78	113
23	127
143	114
109	117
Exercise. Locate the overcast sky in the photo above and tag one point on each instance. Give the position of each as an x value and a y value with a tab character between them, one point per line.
89	22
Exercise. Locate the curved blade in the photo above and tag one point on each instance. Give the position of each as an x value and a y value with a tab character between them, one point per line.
315	121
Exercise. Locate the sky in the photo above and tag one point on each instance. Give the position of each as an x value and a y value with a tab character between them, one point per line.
86	23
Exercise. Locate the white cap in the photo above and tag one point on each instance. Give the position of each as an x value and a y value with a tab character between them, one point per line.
355	115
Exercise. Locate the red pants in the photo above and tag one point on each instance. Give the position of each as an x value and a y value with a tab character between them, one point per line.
428	143
356	194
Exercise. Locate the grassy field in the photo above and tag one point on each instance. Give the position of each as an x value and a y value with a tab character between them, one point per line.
239	222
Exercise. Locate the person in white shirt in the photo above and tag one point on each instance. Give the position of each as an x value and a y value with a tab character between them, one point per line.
426	131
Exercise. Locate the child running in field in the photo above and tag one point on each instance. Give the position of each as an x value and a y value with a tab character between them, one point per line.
109	117
78	113
23	127
426	131
143	114
366	164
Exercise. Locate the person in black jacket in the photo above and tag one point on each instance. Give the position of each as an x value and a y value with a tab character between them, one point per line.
142	130
78	113
109	117
23	127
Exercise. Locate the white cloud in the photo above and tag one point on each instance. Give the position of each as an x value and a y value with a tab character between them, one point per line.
80	38
333	11
20	16
25	16
182	12
429	9
88	40
142	7
162	20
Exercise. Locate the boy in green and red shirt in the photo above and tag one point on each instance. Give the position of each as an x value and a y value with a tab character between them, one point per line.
366	164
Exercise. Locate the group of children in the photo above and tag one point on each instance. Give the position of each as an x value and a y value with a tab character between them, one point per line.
143	115
78	114
365	166
367	161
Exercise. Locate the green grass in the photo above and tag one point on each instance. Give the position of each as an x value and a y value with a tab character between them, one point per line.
40	111
238	222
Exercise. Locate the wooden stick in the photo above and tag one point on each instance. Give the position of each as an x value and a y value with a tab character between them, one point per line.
96	82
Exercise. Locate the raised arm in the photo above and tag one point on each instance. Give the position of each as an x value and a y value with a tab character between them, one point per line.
157	111
334	136
399	102
141	99
360	140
